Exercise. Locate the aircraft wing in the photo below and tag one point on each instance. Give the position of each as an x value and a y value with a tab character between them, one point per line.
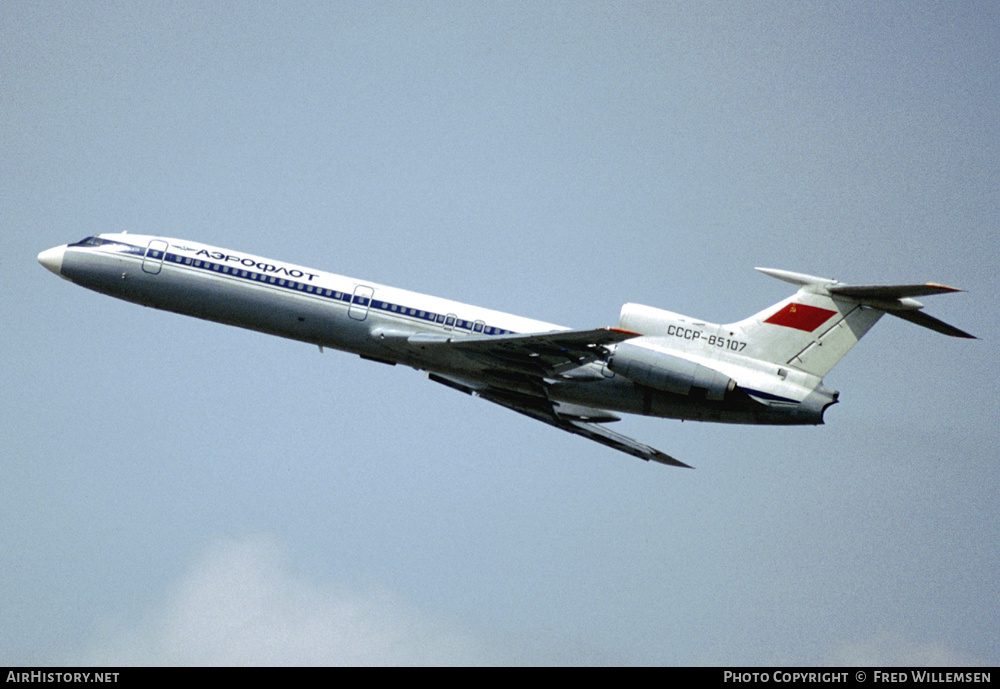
536	355
529	360
571	418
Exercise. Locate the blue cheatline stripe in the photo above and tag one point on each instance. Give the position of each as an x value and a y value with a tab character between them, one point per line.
450	320
769	396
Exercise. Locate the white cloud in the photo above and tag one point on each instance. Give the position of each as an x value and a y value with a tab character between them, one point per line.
240	606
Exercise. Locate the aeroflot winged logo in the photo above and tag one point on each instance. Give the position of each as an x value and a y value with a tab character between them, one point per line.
252	263
801	317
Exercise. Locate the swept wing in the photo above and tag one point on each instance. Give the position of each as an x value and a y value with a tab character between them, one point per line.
570	418
532	359
538	355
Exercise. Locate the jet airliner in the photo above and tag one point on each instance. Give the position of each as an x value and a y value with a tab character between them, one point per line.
765	369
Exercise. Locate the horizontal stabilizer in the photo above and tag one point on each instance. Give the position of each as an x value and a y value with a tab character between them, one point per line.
885	292
892	299
897	300
923	319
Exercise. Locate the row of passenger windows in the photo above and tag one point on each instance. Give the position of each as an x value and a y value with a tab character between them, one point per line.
257	277
448	321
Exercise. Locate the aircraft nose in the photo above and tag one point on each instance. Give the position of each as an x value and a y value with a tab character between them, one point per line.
52	259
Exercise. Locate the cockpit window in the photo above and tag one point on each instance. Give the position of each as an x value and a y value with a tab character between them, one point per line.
89	241
111	245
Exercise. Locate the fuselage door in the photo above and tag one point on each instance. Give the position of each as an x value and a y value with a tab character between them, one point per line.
360	302
153	260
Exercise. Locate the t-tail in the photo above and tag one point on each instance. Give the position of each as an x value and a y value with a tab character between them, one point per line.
814	328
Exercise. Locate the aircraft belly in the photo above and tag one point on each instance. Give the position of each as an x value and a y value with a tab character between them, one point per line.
622	395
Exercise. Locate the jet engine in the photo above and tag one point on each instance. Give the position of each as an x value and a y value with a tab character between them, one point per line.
669	373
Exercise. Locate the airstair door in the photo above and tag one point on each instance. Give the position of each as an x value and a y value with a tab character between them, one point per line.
152	262
360	302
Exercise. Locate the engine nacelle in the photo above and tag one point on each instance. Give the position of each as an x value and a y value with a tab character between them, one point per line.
667	372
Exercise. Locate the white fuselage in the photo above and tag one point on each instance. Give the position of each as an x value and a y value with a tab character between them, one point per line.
382	323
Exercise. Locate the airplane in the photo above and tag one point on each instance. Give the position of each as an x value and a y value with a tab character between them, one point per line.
765	369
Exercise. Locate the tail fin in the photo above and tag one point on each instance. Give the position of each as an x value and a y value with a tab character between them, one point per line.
813	329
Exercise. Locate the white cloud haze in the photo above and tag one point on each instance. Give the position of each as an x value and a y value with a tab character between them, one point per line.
239	605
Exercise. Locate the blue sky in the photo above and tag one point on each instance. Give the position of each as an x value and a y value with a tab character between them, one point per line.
179	492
